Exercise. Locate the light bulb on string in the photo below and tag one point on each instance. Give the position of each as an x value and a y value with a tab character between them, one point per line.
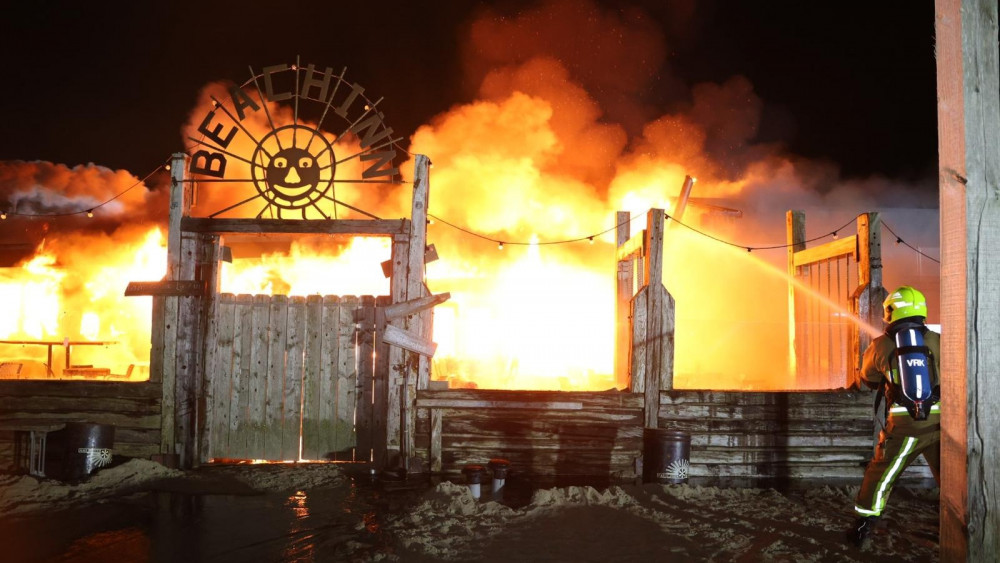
500	246
835	236
898	240
591	240
3	215
90	213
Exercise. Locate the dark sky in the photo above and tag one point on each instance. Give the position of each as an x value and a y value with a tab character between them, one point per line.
848	82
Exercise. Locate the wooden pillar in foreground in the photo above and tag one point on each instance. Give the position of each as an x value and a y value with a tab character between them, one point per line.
969	176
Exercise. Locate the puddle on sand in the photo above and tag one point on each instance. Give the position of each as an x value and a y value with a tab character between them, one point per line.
332	524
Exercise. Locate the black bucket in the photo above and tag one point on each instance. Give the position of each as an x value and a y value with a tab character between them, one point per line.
86	448
666	456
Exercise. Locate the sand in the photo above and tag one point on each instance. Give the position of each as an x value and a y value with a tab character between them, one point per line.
620	523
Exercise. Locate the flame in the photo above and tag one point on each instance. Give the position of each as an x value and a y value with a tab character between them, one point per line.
80	298
561	135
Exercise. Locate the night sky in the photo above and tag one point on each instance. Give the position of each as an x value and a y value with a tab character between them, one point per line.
852	83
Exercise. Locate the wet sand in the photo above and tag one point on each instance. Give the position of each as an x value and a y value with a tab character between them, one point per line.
143	512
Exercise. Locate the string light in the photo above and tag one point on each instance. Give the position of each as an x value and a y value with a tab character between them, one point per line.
3	215
834	233
90	213
591	239
500	246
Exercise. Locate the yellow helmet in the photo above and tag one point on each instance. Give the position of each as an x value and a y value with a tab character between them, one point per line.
904	302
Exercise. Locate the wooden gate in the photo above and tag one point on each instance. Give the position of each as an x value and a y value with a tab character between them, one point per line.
284	377
832	282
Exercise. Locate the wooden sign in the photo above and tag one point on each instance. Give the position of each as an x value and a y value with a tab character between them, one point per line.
293	164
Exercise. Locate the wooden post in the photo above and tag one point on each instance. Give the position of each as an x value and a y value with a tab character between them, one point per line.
422	324
622	307
408	371
167	324
795	223
655	329
682	200
869	301
969	176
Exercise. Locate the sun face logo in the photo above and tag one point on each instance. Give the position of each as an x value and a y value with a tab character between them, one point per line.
293	167
294	176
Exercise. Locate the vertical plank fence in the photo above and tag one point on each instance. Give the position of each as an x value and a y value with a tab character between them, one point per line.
285	377
832	281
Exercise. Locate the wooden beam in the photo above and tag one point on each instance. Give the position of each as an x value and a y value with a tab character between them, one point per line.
406	308
682	200
845	246
633	246
968	82
475	404
176	288
359	227
408	340
795	224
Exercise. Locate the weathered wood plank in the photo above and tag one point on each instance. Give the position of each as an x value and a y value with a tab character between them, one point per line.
381	454
795	224
632	247
366	366
474	404
968	78
436	425
294	373
590	399
142	405
329	429
845	246
347	376
408	340
360	227
80	389
791	398
312	381
169	374
275	397
257	405
637	344
222	376
242	344
622	302
414	305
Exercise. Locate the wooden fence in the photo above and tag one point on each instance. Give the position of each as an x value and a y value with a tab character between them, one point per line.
132	408
761	437
597	434
831	281
284	375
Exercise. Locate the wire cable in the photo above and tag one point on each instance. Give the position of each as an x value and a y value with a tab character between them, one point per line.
899	240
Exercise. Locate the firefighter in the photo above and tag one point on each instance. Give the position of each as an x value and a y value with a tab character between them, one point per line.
912	424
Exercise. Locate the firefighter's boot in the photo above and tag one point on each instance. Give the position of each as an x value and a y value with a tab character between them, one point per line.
859	532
